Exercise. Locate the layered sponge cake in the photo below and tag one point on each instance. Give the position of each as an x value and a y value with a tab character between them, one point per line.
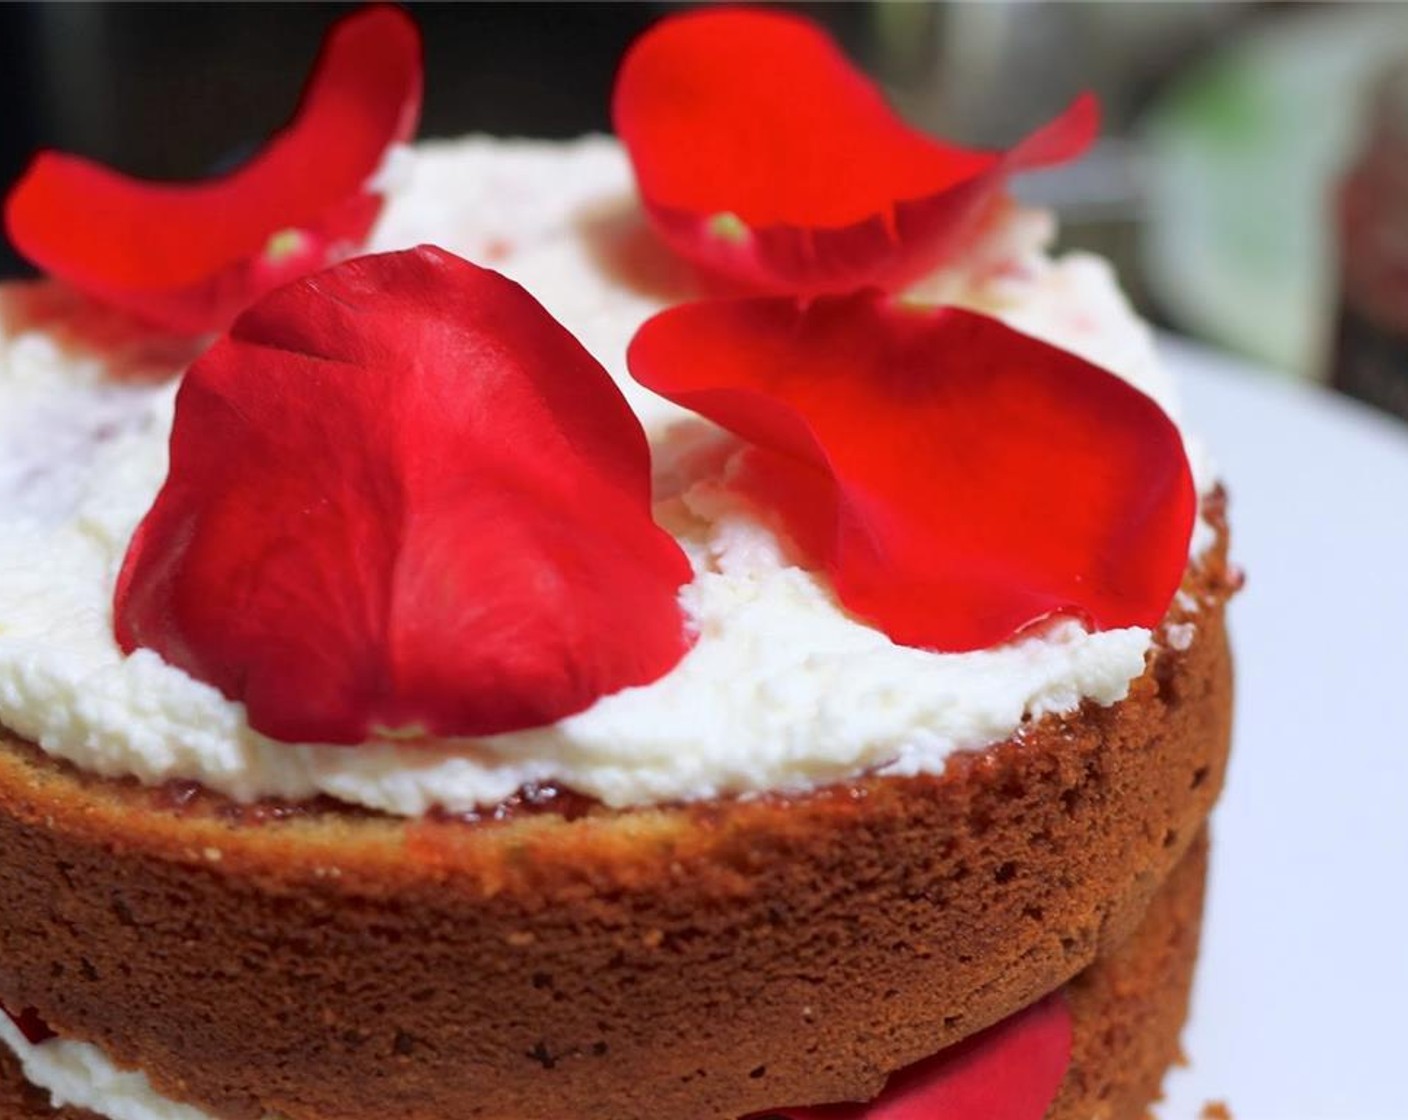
763	854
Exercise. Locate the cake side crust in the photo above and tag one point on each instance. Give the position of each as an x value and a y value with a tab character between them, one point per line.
1130	1006
1127	1010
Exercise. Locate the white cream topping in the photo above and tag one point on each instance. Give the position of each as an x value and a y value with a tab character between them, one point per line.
783	690
78	1075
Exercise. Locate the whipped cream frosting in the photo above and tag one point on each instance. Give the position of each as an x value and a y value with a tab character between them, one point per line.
80	1075
783	690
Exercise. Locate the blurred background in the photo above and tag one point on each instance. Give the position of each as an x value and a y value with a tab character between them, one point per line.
1233	129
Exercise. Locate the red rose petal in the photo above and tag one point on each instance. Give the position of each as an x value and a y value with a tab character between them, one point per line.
1011	1071
763	156
402	497
956	479
35	1030
188	257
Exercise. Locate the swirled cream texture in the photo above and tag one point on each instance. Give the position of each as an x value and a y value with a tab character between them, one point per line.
783	690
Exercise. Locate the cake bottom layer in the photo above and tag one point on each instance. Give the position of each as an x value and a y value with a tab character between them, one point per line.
1128	1010
1130	1006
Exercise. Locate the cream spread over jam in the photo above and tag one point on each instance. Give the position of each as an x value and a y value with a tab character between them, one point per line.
782	691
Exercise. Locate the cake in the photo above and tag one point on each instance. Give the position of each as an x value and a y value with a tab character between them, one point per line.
802	863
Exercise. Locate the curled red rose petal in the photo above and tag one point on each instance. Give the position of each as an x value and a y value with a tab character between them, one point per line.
1011	1071
957	480
188	257
30	1024
765	157
404	500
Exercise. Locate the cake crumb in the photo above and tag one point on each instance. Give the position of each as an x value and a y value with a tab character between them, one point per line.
1180	636
1215	1110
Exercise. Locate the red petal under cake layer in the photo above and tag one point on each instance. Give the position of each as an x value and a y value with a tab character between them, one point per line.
1013	1071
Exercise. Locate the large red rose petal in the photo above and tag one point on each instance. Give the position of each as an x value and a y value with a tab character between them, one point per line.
1011	1071
188	257
404	500
766	158
957	480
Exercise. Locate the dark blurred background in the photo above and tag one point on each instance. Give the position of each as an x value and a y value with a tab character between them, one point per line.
175	90
1228	123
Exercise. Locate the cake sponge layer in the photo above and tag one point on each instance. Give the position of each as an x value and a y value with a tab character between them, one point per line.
1128	1009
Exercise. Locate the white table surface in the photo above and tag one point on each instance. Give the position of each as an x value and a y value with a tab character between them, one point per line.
1301	1005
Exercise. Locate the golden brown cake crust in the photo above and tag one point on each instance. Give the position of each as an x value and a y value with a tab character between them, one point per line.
1129	1008
701	961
